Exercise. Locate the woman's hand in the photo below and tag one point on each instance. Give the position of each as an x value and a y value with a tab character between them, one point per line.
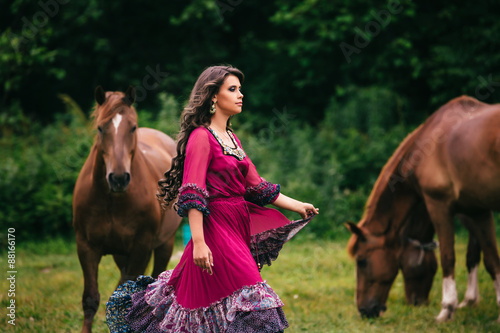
306	209
303	208
202	257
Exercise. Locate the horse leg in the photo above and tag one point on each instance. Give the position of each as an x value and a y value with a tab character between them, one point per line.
136	263
162	256
122	262
484	230
170	222
443	225
472	262
89	260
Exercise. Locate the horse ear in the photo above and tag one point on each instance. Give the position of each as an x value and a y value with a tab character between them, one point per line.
355	230
100	95
129	98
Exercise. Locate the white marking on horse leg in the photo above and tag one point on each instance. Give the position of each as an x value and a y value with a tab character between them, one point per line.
472	292
116	121
497	288
450	300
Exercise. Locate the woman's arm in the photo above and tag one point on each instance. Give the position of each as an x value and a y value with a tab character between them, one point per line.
202	256
303	208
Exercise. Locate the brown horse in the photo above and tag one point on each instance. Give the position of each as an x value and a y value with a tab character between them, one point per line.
452	163
416	258
115	210
418	262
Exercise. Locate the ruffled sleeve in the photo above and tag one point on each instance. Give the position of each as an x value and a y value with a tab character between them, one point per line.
257	189
263	193
193	192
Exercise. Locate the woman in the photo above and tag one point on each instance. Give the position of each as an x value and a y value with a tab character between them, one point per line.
216	287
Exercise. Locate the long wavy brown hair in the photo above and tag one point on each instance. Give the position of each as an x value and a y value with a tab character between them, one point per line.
195	114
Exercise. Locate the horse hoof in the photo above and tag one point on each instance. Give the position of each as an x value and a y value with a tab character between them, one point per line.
468	302
444	316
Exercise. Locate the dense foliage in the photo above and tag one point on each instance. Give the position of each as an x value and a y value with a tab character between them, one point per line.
332	86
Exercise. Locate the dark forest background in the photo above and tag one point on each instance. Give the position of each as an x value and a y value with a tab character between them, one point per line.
331	87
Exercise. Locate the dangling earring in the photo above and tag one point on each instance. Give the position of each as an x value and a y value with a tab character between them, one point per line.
212	109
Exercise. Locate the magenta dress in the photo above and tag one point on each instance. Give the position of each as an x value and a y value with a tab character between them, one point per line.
224	185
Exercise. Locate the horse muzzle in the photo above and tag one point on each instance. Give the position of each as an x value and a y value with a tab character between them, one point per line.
373	310
118	183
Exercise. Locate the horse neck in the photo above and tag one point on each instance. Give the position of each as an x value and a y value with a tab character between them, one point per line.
418	225
392	197
388	214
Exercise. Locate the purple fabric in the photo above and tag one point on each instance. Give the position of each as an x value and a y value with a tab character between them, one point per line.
156	310
263	193
191	200
265	246
267	321
140	316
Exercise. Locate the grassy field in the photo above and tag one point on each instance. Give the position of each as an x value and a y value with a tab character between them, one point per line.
315	279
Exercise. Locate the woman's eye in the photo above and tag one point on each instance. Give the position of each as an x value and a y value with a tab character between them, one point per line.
233	89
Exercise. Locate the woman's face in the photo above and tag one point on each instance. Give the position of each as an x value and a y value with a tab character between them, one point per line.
229	99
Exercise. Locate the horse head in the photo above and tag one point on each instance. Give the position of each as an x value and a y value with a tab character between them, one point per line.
418	264
376	269
116	123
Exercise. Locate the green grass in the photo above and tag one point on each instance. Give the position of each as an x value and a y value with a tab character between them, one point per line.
315	279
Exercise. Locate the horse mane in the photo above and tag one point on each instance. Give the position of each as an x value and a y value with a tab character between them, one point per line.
381	184
392	165
105	112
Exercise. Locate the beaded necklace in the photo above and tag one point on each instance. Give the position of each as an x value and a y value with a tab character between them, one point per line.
226	150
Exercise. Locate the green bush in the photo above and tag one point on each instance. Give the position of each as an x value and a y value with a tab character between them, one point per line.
38	174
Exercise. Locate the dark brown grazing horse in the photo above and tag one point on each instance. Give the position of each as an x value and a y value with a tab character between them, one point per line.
418	262
452	163
416	258
115	210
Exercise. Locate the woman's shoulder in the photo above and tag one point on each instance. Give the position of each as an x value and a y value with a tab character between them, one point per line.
198	133
199	141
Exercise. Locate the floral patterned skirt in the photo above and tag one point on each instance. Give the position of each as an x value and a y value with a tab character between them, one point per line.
149	305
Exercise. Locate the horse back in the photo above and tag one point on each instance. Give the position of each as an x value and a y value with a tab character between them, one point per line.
158	149
458	149
473	154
